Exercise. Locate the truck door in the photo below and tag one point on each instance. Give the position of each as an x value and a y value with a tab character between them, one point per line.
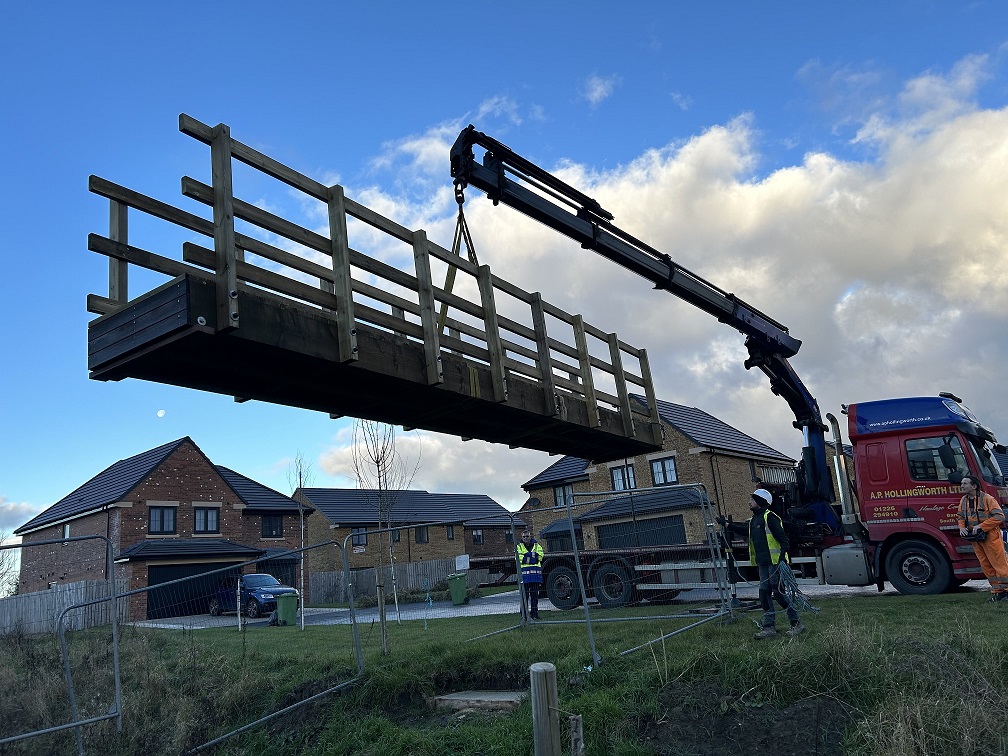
934	466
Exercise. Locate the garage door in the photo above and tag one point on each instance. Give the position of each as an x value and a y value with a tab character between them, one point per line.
191	596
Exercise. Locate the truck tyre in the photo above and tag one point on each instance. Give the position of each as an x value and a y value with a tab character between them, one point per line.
918	568
612	585
562	588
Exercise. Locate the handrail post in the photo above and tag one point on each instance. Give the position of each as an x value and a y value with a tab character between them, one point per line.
342	286
428	319
621	387
118	269
584	359
545	363
224	232
652	400
496	349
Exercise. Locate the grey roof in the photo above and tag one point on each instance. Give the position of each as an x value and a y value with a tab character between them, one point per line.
630	504
559	526
359	506
282	555
107	487
256	495
477	509
197	548
702	428
644	502
564	470
707	430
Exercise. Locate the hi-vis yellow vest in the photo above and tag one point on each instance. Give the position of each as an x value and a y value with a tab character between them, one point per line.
772	543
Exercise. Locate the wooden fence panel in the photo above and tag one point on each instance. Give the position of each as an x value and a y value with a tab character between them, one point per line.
38	612
330	588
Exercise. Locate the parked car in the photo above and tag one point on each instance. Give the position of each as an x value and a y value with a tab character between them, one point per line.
258	594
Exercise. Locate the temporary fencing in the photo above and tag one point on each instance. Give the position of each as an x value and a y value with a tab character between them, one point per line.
633	554
85	618
646	556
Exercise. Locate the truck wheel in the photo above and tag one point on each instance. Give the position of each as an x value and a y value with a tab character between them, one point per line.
562	588
612	585
918	568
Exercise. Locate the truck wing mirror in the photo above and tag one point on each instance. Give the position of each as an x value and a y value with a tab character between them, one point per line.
955	477
947	456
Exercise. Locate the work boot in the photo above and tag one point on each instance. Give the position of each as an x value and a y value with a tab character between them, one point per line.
797	628
766	632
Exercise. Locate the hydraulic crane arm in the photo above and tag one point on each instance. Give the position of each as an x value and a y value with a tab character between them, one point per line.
507	177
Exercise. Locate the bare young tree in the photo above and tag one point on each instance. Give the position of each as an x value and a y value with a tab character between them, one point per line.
9	566
299	477
382	474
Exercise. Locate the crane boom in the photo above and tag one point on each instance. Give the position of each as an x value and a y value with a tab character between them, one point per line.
507	177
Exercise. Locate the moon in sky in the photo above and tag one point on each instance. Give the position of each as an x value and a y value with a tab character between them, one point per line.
160	413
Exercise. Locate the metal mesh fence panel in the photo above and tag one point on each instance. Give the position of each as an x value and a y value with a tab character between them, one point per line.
50	690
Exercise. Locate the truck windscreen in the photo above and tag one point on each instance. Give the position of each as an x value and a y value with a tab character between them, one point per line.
989	469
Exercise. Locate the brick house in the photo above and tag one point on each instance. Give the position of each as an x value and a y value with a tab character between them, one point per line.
427	526
698	448
169	513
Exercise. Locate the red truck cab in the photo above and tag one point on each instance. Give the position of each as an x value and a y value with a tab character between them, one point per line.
909	457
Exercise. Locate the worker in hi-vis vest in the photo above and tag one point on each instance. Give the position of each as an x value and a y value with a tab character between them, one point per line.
768	545
530	557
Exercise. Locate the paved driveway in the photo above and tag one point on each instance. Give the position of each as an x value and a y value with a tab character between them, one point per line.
507	603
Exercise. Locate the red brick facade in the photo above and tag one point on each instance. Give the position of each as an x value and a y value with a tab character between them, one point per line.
183	481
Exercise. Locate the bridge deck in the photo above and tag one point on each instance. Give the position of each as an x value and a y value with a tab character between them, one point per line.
366	339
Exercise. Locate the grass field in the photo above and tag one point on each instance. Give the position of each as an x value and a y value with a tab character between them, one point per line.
886	674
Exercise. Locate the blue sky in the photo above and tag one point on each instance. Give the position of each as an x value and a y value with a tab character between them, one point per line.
842	166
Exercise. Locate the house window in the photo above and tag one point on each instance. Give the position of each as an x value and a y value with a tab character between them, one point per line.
162	521
395	536
508	536
663	471
477	537
359	537
420	535
207	520
622	478
66	530
563	495
272	526
450	532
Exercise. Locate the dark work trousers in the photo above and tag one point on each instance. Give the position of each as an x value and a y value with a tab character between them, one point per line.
532	592
769	590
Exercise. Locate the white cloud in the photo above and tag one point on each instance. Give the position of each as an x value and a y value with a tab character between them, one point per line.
683	102
498	107
14	514
596	89
451	465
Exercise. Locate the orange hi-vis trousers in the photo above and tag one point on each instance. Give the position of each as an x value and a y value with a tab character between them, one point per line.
991	554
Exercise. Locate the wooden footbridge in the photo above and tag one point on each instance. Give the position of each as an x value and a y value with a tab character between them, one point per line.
306	320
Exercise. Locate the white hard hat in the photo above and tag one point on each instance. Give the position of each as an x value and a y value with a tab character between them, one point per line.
762	493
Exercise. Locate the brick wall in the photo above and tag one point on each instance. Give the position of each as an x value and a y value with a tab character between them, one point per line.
64	562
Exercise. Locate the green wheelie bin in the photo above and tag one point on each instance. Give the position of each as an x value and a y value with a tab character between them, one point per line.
457	584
